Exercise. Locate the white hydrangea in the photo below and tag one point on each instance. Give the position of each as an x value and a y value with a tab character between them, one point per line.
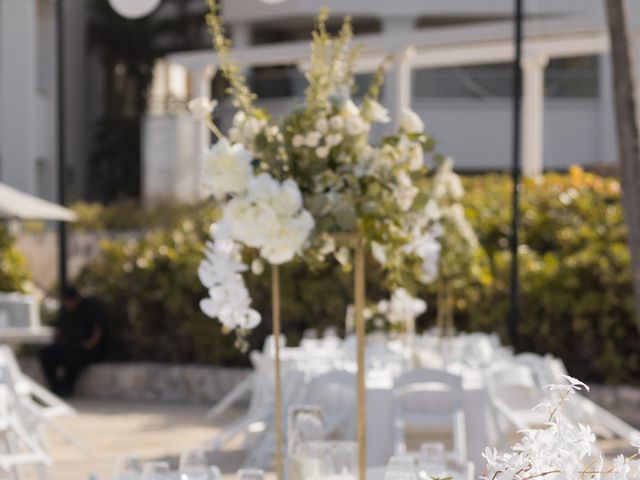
297	141
355	125
402	308
226	169
312	139
336	122
270	217
244	129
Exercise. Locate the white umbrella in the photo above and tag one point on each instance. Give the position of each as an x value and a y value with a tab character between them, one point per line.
18	205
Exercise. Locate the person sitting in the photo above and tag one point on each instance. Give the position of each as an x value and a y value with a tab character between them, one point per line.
79	341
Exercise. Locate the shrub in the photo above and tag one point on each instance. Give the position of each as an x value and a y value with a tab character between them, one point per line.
574	273
13	272
575	277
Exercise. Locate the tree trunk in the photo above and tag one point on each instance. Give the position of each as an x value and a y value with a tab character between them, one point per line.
627	133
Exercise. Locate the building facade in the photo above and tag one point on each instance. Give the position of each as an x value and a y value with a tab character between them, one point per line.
450	63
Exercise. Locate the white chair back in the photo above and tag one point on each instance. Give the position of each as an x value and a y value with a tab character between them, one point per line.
335	392
269	346
426	399
516	386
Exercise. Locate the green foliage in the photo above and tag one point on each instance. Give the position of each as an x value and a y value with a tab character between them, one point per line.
575	280
13	272
576	289
126	215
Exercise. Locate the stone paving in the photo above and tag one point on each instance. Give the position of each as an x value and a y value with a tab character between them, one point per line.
114	428
161	431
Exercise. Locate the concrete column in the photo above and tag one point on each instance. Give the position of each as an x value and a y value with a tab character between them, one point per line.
398	87
241	35
606	118
18	115
533	115
188	175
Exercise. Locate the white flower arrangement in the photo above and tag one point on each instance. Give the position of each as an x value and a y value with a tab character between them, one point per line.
560	451
286	188
402	308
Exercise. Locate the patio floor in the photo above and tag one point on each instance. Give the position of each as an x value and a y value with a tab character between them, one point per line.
151	431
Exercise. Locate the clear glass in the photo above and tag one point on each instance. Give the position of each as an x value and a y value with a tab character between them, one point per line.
193	465
340	462
432	459
401	467
305	423
127	467
308	461
250	474
156	471
214	473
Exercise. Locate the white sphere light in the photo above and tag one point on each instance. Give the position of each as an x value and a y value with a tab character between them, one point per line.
134	8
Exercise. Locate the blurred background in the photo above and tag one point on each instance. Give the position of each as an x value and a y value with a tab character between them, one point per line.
131	163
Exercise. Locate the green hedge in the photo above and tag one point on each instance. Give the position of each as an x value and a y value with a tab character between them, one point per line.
576	287
13	272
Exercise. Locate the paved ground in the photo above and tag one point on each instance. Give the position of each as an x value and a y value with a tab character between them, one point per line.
151	431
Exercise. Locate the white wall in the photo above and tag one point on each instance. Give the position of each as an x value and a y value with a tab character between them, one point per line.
257	10
18	105
170	158
28	96
478	133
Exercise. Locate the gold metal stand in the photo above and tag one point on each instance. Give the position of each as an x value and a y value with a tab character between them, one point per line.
359	293
275	311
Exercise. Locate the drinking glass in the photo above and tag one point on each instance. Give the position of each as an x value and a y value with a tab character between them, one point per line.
214	473
341	461
305	423
127	467
309	460
193	465
432	458
250	474
401	467
155	471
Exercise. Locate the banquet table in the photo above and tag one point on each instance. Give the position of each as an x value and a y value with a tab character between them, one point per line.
384	366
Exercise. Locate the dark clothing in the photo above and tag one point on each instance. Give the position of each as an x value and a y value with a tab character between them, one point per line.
64	360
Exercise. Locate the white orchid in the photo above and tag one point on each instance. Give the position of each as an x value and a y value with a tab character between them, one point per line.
220	271
410	121
376	113
561	450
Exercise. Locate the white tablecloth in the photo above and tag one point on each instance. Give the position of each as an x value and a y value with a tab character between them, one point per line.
481	428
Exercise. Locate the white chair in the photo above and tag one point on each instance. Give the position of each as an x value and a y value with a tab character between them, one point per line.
269	346
260	405
262	447
335	392
427	400
514	392
536	364
479	349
